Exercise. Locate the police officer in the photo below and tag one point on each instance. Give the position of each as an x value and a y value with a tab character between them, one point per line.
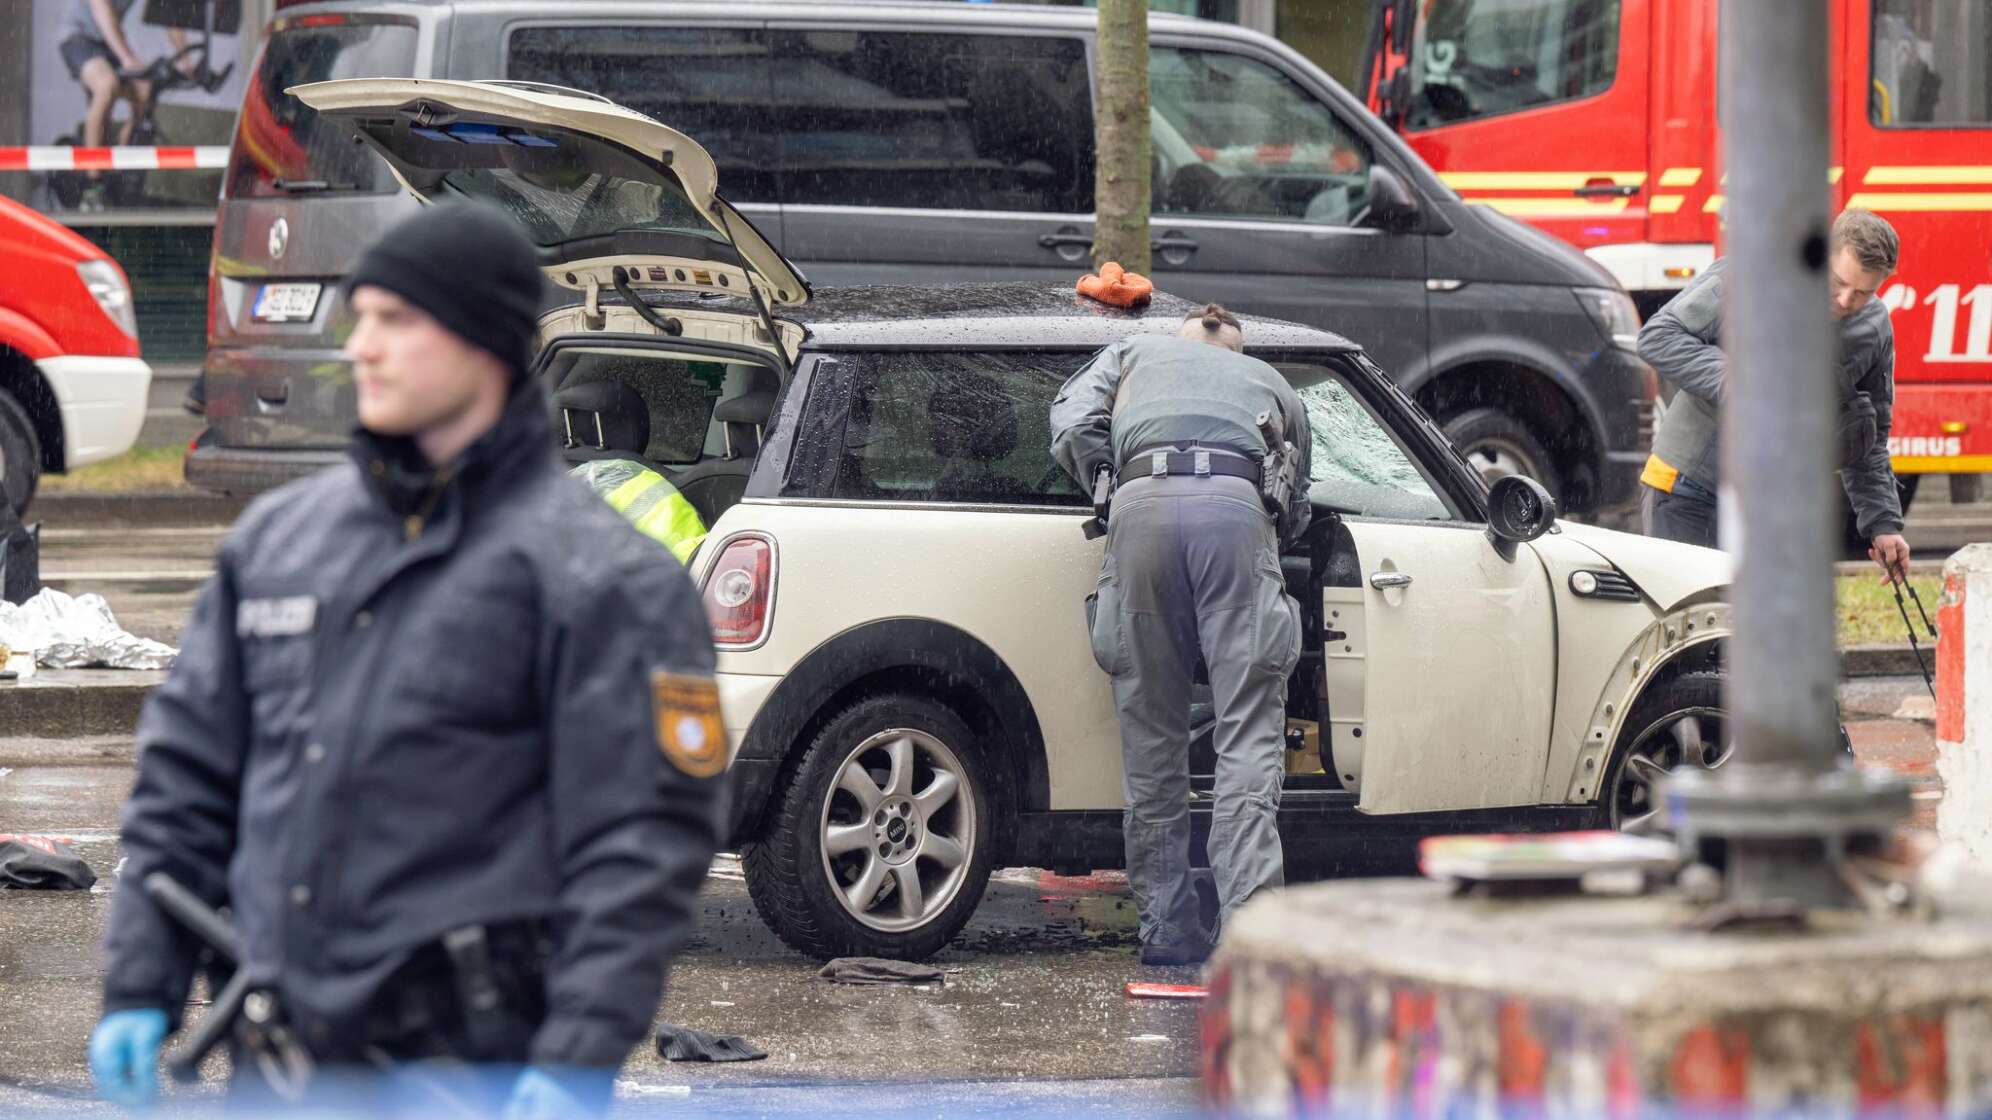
1191	427
443	733
1682	342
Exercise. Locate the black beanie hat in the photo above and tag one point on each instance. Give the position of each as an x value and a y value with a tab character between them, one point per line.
467	264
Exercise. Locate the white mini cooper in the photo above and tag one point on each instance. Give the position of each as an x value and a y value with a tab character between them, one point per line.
896	569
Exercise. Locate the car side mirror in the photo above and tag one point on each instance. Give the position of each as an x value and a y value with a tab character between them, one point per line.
1519	510
1392	206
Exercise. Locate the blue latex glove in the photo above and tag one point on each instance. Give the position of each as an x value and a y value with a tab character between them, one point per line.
560	1094
124	1056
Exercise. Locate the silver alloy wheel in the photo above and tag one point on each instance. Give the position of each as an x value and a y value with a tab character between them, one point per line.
1497	458
1693	738
898	830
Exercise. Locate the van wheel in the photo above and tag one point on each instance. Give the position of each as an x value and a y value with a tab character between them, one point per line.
1498	445
880	843
20	456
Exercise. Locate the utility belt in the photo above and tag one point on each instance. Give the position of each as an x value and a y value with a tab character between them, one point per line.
1165	460
1160	461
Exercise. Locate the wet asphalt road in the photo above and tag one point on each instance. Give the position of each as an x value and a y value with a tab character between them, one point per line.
1031	1021
1031	1017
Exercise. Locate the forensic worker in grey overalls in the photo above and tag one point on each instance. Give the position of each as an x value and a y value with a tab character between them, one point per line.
1193	429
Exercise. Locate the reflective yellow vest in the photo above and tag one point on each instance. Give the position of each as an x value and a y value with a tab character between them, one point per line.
650	503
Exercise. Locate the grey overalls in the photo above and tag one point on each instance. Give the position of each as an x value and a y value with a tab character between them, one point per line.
1192	570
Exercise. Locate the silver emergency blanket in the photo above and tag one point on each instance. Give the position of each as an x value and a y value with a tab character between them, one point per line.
77	632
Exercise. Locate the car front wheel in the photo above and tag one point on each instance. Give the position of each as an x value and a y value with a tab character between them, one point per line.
880	842
1678	725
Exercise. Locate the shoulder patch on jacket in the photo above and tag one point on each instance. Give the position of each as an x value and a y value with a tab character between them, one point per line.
689	731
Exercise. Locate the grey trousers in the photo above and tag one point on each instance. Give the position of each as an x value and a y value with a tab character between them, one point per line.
1192	567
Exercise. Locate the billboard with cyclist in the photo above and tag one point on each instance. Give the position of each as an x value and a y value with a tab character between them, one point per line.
131	103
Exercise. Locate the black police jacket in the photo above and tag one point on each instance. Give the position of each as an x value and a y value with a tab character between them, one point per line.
408	703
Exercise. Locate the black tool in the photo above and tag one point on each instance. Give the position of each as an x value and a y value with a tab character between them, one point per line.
1095	526
256	1015
1902	608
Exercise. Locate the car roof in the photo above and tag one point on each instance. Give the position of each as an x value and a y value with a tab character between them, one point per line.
1014	316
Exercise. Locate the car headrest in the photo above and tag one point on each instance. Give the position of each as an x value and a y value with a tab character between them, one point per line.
748	408
603	416
970	416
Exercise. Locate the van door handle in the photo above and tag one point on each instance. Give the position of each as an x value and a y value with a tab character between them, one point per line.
1173	243
1385	580
1606	190
276	397
1054	240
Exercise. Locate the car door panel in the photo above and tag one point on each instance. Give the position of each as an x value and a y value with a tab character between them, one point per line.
1461	669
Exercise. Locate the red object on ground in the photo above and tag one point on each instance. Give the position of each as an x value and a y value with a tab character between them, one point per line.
1137	990
1115	285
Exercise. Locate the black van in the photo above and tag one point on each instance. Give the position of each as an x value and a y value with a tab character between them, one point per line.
912	143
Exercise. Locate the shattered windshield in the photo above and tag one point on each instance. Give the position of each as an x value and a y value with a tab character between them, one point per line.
1358	466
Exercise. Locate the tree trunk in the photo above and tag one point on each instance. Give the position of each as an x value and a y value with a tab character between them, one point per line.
1121	187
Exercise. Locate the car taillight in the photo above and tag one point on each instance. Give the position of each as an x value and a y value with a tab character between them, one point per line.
740	591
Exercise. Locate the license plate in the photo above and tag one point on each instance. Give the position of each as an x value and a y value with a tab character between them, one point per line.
283	303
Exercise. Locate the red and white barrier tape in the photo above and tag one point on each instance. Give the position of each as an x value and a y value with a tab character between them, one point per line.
66	158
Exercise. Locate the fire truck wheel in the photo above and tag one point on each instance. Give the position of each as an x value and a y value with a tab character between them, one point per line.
1498	445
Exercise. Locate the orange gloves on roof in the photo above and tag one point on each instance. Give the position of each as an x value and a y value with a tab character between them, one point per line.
1117	286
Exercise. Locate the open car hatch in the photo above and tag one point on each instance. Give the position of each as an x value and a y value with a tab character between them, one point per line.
600	188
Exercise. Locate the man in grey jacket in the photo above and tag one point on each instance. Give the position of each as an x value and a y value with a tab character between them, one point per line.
1191	427
1682	343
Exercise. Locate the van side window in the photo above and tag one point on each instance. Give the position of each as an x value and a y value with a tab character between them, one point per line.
955	427
1235	138
710	83
1481	58
934	121
1931	64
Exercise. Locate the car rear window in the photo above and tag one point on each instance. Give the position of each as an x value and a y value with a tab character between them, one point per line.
678	393
281	146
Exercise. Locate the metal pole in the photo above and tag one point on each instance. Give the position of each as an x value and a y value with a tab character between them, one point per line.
1781	816
1777	423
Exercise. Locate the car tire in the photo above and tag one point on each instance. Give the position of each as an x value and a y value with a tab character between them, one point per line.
1678	722
1496	444
20	456
818	904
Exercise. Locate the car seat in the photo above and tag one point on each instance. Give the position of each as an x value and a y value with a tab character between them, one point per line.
972	424
714	485
602	420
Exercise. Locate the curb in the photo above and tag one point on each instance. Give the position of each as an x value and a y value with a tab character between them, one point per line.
77	705
1884	661
90	750
136	509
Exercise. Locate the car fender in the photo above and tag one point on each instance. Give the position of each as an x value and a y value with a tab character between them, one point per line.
1670	573
1678	634
1608	647
949	659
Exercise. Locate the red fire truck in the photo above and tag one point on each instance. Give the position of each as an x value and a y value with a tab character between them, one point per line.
1597	121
